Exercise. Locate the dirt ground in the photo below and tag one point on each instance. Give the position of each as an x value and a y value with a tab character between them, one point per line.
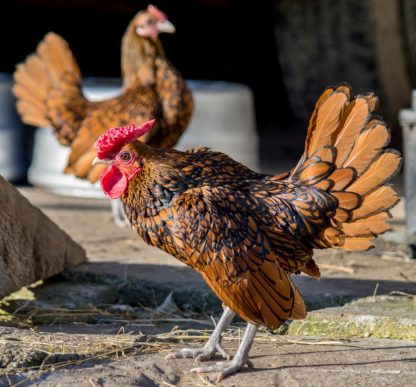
300	361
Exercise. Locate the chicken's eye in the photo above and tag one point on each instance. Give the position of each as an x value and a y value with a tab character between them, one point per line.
125	156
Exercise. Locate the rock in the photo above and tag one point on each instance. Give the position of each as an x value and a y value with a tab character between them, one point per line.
32	247
387	317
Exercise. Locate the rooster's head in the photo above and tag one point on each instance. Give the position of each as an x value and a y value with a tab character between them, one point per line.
123	161
151	22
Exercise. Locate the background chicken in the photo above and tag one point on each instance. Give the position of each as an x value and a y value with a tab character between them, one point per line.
246	232
48	89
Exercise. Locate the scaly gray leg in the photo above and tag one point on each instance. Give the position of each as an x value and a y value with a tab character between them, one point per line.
213	344
117	213
240	359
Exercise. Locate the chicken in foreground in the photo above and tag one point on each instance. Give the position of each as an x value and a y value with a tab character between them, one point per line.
48	90
246	233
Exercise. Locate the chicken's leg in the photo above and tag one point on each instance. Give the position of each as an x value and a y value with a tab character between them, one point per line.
117	212
213	344
240	358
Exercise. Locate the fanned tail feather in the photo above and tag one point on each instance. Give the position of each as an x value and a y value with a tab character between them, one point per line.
345	155
45	82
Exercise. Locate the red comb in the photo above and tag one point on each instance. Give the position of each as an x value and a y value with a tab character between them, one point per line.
109	143
156	12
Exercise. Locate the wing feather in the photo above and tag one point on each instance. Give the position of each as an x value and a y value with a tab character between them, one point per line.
247	278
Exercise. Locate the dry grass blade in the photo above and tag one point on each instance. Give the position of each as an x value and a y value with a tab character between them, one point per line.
92	382
314	342
343	269
205	381
395	256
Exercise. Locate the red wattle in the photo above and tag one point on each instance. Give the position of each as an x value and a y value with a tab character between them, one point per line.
113	182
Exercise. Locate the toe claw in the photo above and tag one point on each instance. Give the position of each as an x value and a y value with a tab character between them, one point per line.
220	377
221	351
228	371
202	357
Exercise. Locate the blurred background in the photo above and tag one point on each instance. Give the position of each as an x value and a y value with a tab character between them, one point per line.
285	51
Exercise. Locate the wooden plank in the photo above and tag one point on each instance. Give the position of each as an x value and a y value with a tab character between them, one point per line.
390	56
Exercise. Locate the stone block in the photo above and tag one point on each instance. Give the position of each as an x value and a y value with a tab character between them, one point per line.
32	247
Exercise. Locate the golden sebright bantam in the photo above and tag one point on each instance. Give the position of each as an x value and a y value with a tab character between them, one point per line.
246	233
48	87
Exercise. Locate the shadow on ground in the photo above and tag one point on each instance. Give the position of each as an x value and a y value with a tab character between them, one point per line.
149	284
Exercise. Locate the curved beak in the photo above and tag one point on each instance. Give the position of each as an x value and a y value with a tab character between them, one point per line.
100	161
166	26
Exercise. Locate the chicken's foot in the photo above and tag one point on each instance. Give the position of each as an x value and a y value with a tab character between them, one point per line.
240	359
212	346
